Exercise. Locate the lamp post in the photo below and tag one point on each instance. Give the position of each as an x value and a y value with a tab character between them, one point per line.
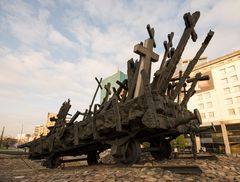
2	137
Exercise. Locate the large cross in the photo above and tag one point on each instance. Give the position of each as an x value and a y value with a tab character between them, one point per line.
168	51
190	21
146	57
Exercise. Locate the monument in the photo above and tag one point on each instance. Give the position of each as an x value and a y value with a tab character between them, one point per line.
138	111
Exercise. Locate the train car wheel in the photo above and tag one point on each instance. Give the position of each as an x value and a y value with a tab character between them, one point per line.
92	158
132	152
164	151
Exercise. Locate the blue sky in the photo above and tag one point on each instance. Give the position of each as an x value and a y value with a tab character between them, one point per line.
52	50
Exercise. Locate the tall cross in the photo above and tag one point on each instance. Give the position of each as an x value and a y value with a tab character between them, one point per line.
168	51
147	56
108	92
190	20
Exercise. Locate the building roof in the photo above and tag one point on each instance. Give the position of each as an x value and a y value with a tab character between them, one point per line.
228	58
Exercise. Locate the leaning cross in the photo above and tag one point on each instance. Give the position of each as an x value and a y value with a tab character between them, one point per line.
169	50
108	92
189	22
146	57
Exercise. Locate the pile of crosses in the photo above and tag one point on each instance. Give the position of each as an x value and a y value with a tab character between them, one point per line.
137	112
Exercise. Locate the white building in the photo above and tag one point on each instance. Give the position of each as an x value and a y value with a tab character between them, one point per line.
42	130
218	100
23	138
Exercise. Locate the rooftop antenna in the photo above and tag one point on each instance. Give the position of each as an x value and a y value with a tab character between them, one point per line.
20	140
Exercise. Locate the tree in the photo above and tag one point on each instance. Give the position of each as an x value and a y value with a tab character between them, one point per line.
9	142
179	142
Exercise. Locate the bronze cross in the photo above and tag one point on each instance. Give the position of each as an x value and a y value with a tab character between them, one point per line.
151	33
108	92
189	21
146	57
168	53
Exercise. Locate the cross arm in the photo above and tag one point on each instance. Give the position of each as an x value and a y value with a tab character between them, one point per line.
142	51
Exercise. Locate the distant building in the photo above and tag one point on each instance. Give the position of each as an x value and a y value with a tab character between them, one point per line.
38	131
49	122
218	101
42	130
112	80
183	63
23	138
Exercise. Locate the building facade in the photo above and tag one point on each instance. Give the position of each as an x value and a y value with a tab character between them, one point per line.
218	101
39	131
23	138
42	130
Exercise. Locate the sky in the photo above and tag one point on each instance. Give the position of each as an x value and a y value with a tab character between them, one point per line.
52	50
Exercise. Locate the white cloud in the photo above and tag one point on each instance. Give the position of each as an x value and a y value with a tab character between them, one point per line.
35	79
31	80
57	38
31	26
47	3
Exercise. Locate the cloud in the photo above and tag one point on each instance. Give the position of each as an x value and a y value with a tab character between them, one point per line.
31	26
61	46
57	38
33	83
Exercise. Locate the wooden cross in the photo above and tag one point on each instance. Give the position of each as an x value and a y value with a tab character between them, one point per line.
151	33
168	53
146	57
95	94
108	92
168	45
189	21
166	75
122	85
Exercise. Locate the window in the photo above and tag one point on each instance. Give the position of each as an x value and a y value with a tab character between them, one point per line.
227	90
237	99
209	105
203	115
229	101
234	78
222	71
207	95
231	68
211	114
236	88
231	112
200	97
201	106
224	80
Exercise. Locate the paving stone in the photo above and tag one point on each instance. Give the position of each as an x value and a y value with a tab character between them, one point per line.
167	178
225	169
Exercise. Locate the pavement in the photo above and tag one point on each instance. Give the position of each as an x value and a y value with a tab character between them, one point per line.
20	169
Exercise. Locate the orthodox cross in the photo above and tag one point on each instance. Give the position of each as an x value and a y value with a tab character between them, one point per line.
169	50
190	20
147	56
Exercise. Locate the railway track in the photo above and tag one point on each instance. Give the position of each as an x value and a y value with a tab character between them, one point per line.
182	169
27	165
